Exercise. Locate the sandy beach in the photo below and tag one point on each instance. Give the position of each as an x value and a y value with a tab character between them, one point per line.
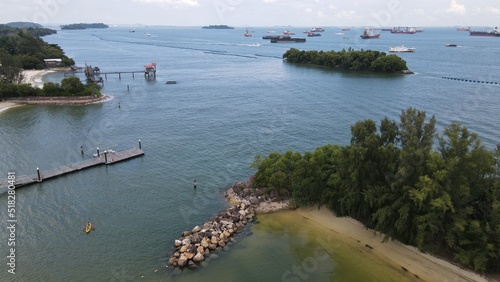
34	77
425	266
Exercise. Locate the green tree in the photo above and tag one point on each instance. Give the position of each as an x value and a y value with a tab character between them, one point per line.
72	86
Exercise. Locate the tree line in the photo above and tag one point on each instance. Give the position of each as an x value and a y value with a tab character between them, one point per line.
22	49
69	86
362	60
84	26
441	197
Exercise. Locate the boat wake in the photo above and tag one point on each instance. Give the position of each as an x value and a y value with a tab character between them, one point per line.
207	51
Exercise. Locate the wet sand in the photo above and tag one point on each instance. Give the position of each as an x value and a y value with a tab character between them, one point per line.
425	266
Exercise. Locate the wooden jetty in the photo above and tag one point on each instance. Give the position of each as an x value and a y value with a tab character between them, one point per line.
105	158
91	73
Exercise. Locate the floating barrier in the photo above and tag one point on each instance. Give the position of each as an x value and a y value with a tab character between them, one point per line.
470	80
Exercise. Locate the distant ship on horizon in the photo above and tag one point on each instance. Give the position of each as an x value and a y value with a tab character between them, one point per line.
217	26
494	32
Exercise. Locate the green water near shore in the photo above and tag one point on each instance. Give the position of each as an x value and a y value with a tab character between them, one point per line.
301	250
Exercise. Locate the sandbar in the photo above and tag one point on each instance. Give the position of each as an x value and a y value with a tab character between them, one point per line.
423	265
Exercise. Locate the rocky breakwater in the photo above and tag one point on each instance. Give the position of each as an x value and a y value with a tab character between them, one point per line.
194	246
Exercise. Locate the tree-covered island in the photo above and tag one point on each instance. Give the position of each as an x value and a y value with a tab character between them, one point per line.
84	26
443	198
363	60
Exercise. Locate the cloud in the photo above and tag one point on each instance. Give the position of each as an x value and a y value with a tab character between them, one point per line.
456	8
345	14
190	3
492	10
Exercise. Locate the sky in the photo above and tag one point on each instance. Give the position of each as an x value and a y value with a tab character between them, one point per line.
255	13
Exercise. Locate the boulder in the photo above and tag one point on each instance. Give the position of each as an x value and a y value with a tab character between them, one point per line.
192	265
196	229
214	240
182	260
222	244
191	249
204	243
212	246
186	241
254	201
171	261
198	257
195	239
183	249
186	233
200	249
189	255
177	243
226	233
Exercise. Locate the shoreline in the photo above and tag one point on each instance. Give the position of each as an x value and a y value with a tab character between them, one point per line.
408	258
58	100
34	78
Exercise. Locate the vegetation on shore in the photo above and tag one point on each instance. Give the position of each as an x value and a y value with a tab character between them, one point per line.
69	87
20	49
363	60
443	198
84	26
24	49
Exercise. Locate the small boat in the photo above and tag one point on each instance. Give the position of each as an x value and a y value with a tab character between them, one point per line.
89	227
247	33
339	33
317	29
312	34
401	49
451	45
346	29
286	32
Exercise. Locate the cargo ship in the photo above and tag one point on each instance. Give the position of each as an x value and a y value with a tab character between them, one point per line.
287	39
494	32
399	30
368	34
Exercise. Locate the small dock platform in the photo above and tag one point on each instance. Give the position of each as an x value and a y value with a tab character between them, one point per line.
106	158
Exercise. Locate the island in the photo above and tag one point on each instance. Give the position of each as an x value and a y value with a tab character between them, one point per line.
83	26
363	60
221	26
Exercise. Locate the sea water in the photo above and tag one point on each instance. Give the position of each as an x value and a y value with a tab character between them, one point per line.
234	98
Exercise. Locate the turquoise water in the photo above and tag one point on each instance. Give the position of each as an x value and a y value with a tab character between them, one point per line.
234	98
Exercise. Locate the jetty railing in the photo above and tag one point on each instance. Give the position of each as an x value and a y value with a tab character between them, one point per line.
102	158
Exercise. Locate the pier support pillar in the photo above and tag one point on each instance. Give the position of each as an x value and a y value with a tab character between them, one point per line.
105	157
98	155
38	174
140	145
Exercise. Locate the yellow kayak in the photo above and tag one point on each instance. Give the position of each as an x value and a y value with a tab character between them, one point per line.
88	228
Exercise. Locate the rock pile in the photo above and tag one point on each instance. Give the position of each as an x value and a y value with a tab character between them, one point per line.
196	245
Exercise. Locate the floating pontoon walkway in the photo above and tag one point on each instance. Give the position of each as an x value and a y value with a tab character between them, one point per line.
105	158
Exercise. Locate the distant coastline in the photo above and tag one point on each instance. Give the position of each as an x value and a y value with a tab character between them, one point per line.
84	26
221	26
